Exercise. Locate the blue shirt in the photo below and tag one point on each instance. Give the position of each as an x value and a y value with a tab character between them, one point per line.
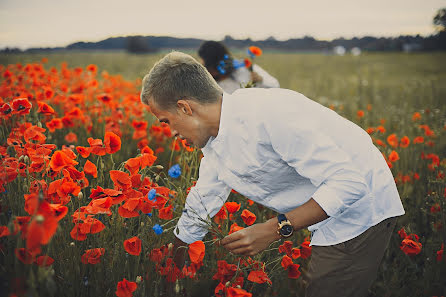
280	149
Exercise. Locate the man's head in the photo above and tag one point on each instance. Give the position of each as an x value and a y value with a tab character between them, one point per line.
181	92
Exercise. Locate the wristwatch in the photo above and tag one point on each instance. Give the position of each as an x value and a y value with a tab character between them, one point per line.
285	228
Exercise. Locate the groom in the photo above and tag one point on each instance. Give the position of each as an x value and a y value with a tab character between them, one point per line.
290	154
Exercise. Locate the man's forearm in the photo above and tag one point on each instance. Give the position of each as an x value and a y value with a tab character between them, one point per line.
303	216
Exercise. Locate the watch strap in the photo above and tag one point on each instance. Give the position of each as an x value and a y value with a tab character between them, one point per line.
281	217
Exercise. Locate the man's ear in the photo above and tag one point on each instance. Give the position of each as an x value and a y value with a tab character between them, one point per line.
184	106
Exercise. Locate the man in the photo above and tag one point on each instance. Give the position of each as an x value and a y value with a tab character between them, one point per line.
288	153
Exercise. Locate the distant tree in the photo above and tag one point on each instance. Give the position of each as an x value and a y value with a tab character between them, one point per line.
440	20
138	45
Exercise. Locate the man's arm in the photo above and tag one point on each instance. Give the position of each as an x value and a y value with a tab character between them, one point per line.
256	238
204	200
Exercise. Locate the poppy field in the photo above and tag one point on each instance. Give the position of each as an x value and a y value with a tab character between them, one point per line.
91	184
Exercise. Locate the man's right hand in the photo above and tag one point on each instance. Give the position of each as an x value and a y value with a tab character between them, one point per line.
179	253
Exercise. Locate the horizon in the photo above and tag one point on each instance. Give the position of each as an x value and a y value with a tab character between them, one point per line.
59	25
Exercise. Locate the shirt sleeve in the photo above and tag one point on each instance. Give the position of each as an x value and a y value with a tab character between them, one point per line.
314	155
204	200
268	81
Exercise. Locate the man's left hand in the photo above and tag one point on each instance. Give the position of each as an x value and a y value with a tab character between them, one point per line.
252	240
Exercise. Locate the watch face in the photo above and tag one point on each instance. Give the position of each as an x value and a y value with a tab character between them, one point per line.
286	230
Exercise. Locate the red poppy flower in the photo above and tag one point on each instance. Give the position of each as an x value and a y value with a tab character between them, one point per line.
54	124
133	165
90	168
404	142
83	151
133	246
45	108
196	251
5	110
393	156
418	139
24	256
130	208
410	247
248	217
235	292
293	271
126	288
416	116
232	207
305	249
92	68
112	142
166	213
97	147
60	160
106	98
259	276
4	231
34	134
256	51
120	179
286	261
92	256
44	261
21	106
235	228
248	63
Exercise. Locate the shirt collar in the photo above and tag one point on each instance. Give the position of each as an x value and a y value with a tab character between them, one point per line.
213	142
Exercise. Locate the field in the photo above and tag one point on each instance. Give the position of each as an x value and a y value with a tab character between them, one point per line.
79	217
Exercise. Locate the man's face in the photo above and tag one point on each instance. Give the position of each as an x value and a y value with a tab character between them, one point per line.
183	122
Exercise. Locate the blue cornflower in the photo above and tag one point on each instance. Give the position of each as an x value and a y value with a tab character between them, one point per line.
158	229
238	63
175	171
221	69
149	214
225	57
152	194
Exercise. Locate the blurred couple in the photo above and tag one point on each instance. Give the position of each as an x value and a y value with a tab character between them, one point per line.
232	74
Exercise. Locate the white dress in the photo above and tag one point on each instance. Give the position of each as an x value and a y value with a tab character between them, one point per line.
241	76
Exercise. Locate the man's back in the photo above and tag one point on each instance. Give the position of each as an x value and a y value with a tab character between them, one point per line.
279	148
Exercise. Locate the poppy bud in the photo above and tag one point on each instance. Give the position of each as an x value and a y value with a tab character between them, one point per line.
142	224
157	178
238	287
21	158
159	167
227	284
170	247
39	124
138	279
80	195
39	218
72	243
102	165
26	159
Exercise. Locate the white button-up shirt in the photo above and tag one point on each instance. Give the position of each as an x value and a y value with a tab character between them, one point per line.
280	149
241	76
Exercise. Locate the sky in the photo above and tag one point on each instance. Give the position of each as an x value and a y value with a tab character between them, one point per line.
50	23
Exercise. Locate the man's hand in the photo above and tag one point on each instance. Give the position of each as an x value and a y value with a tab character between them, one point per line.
252	240
256	78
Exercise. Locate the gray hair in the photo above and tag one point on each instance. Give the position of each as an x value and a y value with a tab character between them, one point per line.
178	76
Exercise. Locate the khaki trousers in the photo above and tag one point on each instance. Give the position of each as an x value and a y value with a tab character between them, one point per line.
349	268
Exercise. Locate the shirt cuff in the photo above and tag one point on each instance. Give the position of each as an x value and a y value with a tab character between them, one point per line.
188	231
329	201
